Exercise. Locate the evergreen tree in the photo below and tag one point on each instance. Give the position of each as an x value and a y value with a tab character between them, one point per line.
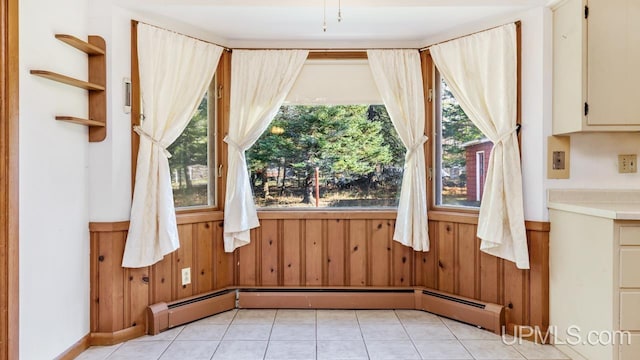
190	148
457	129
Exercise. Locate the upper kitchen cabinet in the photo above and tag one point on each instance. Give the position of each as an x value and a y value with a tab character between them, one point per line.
596	66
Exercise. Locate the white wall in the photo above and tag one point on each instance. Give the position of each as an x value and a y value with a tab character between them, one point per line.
110	181
54	237
594	162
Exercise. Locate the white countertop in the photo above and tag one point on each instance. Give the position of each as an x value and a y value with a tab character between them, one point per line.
611	204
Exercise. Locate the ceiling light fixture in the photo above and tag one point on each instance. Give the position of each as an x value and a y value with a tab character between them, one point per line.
324	15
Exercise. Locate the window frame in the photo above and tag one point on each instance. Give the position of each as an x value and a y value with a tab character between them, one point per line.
263	211
432	95
212	148
219	95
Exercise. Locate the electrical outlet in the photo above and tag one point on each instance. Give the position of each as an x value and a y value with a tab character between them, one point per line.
186	276
627	163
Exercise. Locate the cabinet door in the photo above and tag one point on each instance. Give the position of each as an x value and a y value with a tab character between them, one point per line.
613	75
569	69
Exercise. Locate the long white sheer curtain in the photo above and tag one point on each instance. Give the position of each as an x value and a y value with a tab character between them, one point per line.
175	71
398	75
260	81
481	71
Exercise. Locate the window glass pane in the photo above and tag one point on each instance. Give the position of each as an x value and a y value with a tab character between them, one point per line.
190	163
357	153
462	154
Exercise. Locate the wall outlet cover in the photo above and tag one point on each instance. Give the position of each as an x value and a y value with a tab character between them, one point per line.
627	163
558	158
186	276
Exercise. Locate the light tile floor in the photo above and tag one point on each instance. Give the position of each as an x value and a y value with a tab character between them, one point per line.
323	334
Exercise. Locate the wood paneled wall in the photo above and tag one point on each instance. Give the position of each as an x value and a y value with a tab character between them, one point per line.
353	249
119	296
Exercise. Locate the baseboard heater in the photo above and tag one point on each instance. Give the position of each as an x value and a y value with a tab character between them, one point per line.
485	315
327	298
163	316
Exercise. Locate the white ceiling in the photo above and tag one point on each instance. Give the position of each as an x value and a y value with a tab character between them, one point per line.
384	23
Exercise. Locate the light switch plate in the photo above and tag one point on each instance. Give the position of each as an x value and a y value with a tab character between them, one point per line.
558	163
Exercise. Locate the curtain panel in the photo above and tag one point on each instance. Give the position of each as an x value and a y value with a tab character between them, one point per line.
481	71
175	71
260	82
398	75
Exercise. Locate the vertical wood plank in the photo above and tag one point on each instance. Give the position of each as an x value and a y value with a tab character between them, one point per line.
490	281
335	252
380	250
514	294
291	255
183	258
357	253
269	255
426	261
446	257
94	281
203	255
106	283
466	260
161	280
402	263
247	262
539	279
313	252
112	287
224	264
139	295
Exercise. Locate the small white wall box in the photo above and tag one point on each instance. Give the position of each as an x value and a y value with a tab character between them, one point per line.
126	83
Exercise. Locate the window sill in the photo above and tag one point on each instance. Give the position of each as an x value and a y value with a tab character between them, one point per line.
196	216
312	214
466	217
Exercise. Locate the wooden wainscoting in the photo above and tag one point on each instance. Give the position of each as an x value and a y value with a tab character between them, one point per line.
325	249
119	296
456	265
316	249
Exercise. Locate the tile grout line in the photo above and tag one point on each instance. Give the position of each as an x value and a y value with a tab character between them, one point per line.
408	335
171	342
264	356
366	348
225	333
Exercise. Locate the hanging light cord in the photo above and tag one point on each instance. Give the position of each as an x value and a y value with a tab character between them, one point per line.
324	17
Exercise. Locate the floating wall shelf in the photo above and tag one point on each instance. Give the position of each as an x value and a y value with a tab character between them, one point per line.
95	48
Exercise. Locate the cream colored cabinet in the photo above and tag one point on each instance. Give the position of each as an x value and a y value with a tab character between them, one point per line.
594	284
596	57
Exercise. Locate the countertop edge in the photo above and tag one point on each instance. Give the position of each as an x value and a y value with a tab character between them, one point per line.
590	209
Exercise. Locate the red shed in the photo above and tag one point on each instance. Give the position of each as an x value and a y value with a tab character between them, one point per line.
477	156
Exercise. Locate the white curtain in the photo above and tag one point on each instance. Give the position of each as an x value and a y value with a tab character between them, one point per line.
260	81
481	71
398	75
175	71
